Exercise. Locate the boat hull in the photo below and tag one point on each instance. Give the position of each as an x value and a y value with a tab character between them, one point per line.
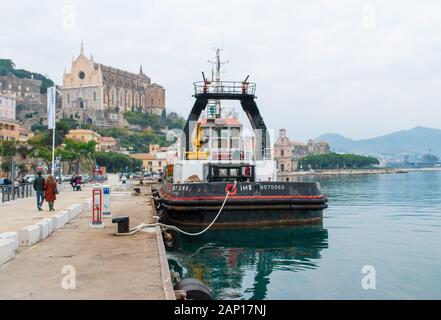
251	204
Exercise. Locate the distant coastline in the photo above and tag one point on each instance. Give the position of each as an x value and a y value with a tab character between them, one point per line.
336	172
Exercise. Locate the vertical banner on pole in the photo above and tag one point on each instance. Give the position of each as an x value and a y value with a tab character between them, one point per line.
51	100
51	107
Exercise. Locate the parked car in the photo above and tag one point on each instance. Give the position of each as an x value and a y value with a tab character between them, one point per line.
66	178
5	183
86	178
29	178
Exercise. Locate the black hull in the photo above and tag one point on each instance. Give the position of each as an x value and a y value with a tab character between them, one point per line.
251	205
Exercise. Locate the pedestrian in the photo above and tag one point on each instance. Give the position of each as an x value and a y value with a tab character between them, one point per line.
17	187
50	191
78	181
39	190
72	182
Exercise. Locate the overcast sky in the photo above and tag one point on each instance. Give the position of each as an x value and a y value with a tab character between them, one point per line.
359	68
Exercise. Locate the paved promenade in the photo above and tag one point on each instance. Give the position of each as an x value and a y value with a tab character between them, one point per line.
102	265
23	212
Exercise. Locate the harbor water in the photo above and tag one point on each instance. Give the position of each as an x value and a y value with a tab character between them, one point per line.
388	224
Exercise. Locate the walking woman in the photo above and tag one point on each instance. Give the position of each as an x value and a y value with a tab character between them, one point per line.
50	191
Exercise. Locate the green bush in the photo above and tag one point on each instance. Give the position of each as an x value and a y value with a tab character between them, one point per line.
136	142
117	162
337	161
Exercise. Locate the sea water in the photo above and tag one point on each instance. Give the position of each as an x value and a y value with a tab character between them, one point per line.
380	239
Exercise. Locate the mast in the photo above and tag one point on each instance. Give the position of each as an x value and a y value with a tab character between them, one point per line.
216	81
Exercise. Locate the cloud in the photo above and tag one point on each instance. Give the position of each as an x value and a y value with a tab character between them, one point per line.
317	66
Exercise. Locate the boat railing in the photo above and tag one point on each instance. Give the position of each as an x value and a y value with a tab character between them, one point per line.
225	87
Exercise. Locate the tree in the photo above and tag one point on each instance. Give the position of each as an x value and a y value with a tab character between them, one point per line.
6	66
138	141
174	121
21	168
117	162
336	161
8	149
6	166
78	152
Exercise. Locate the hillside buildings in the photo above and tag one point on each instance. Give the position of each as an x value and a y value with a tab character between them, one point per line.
287	152
84	135
109	144
7	106
26	91
104	144
10	128
99	94
155	160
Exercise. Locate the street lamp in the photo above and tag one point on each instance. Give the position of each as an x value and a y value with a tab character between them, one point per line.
36	153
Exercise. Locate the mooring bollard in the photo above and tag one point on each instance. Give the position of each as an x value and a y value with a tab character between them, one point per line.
97	208
123	224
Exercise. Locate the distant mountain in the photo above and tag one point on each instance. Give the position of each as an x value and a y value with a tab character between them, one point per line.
417	140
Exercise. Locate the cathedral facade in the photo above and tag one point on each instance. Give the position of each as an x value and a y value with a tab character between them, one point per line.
100	94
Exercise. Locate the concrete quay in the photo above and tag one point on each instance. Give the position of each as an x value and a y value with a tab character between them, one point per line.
70	260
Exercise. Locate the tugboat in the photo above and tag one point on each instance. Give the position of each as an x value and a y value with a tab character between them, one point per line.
222	168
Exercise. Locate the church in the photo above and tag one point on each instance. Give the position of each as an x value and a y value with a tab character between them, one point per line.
100	94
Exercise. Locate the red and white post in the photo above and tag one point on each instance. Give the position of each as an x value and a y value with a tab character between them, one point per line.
97	208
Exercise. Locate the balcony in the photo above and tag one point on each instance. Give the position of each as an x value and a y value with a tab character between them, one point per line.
224	89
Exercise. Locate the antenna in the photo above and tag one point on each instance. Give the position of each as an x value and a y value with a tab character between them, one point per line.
218	64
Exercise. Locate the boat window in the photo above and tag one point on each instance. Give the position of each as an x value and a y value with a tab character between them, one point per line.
225	133
215	133
246	171
224	143
235	133
226	173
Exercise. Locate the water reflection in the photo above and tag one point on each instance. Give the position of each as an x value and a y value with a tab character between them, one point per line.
237	264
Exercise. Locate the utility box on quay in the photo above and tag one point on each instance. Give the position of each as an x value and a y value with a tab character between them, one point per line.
106	200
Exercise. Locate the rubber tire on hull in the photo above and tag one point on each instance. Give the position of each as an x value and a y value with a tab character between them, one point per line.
175	243
194	288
